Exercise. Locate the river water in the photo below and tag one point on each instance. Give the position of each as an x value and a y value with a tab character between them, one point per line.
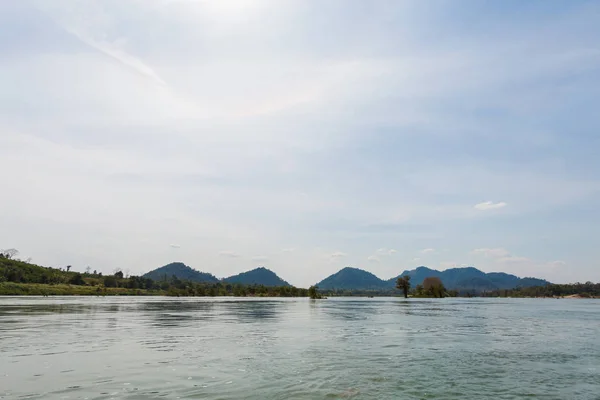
227	348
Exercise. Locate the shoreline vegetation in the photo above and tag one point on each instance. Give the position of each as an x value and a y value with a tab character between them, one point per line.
22	278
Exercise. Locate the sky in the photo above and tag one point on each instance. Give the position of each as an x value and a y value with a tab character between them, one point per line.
303	136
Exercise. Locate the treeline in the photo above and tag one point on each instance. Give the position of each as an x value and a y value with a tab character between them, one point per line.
587	289
19	277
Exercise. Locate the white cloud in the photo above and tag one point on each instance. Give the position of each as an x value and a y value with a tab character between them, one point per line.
427	251
205	142
229	254
492	253
175	246
90	25
558	264
385	252
373	259
489	205
337	255
448	264
501	260
514	259
416	259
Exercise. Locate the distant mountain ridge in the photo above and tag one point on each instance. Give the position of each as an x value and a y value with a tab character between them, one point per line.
353	278
257	276
461	279
181	271
467	279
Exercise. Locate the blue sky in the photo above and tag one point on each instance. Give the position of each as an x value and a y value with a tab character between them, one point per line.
304	136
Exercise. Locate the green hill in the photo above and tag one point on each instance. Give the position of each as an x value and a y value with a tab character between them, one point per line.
471	279
353	278
467	279
258	276
23	272
181	271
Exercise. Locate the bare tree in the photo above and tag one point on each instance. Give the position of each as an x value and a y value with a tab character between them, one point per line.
88	269
9	253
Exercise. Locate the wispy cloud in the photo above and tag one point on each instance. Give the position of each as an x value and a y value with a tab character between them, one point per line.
381	254
337	255
493	252
427	251
229	254
503	260
88	24
175	246
220	154
260	258
489	205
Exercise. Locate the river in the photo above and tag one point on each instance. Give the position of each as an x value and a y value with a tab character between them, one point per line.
137	348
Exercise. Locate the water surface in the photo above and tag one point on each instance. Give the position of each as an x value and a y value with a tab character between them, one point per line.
225	348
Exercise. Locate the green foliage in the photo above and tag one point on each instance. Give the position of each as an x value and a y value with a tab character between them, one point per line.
77	279
111	281
313	293
585	290
21	278
433	287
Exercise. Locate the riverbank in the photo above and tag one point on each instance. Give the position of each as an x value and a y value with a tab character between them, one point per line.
38	289
34	289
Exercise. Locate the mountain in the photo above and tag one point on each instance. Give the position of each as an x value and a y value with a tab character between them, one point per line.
467	279
471	279
258	276
181	271
353	278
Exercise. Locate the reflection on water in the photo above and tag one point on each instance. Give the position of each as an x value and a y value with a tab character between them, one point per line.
224	348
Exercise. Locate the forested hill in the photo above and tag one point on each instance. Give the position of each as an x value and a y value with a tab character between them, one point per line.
258	276
353	278
461	279
471	279
181	271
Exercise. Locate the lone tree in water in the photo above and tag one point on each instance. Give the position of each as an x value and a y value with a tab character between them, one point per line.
313	294
434	287
403	283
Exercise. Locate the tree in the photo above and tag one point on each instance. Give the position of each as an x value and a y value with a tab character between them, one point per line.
110	281
119	274
68	268
403	284
77	279
9	253
313	293
88	269
434	286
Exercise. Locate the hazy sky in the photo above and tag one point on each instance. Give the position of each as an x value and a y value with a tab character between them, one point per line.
303	136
